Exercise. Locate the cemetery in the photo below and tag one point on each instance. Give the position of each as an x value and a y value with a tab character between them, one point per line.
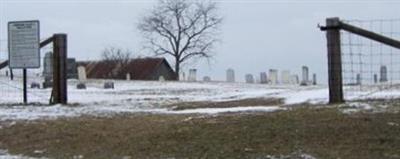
57	101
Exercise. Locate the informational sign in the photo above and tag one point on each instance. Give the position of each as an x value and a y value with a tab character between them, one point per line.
23	44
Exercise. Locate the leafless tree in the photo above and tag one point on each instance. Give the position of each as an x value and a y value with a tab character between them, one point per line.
116	55
181	29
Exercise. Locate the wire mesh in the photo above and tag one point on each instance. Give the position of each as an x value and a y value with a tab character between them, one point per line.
11	91
368	66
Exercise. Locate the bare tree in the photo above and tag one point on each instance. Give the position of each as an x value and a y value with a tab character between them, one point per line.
182	29
116	55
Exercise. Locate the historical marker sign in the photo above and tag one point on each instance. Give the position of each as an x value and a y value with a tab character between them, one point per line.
23	44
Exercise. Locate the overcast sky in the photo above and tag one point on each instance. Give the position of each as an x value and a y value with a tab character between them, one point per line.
257	35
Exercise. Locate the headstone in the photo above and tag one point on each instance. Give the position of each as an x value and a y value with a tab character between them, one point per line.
383	74
48	70
375	78
35	85
206	79
358	79
81	86
230	75
249	78
263	78
48	66
273	76
294	79
314	79
305	79
109	85
81	73
128	76
183	76
161	79
72	72
192	75
285	77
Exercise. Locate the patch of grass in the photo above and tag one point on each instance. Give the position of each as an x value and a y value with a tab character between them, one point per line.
323	133
228	104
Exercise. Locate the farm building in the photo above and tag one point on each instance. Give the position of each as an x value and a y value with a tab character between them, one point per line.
135	69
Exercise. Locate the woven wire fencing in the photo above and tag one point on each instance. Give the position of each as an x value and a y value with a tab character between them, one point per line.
11	90
370	67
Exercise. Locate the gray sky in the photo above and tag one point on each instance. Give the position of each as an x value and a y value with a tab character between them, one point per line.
257	35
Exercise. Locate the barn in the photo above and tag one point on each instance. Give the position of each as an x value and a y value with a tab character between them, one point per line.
137	69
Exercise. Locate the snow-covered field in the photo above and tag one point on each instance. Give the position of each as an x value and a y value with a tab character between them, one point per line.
152	97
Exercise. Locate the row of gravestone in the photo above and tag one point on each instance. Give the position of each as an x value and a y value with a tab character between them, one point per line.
286	77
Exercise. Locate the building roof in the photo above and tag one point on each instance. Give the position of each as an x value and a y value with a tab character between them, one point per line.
140	68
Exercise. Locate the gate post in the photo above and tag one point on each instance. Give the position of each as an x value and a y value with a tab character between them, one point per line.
334	61
59	69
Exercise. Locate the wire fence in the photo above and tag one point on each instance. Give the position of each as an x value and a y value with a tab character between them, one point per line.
369	66
11	91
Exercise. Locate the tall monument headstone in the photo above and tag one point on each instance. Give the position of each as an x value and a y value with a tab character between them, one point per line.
263	78
383	74
273	76
285	77
375	78
192	75
304	80
82	74
314	81
230	75
358	79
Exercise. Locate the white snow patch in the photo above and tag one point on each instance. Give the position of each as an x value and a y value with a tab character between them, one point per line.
355	107
5	155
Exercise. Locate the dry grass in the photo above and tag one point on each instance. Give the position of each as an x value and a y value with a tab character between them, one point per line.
323	133
228	104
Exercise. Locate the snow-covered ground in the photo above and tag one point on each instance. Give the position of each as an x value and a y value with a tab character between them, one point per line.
153	96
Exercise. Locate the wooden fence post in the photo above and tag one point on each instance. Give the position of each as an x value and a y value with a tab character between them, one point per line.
334	61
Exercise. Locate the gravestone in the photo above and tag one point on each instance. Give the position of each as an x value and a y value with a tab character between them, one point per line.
230	75
206	79
182	76
128	76
375	78
192	75
82	73
72	72
305	79
249	78
273	76
263	78
35	85
383	74
48	70
161	79
81	86
285	77
109	85
48	65
314	79
358	79
294	79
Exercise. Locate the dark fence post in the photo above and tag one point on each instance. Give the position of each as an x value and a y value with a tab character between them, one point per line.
59	69
334	61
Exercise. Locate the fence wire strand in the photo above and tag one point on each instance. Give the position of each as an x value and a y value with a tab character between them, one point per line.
369	66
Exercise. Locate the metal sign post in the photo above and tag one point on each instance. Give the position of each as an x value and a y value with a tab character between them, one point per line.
23	46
